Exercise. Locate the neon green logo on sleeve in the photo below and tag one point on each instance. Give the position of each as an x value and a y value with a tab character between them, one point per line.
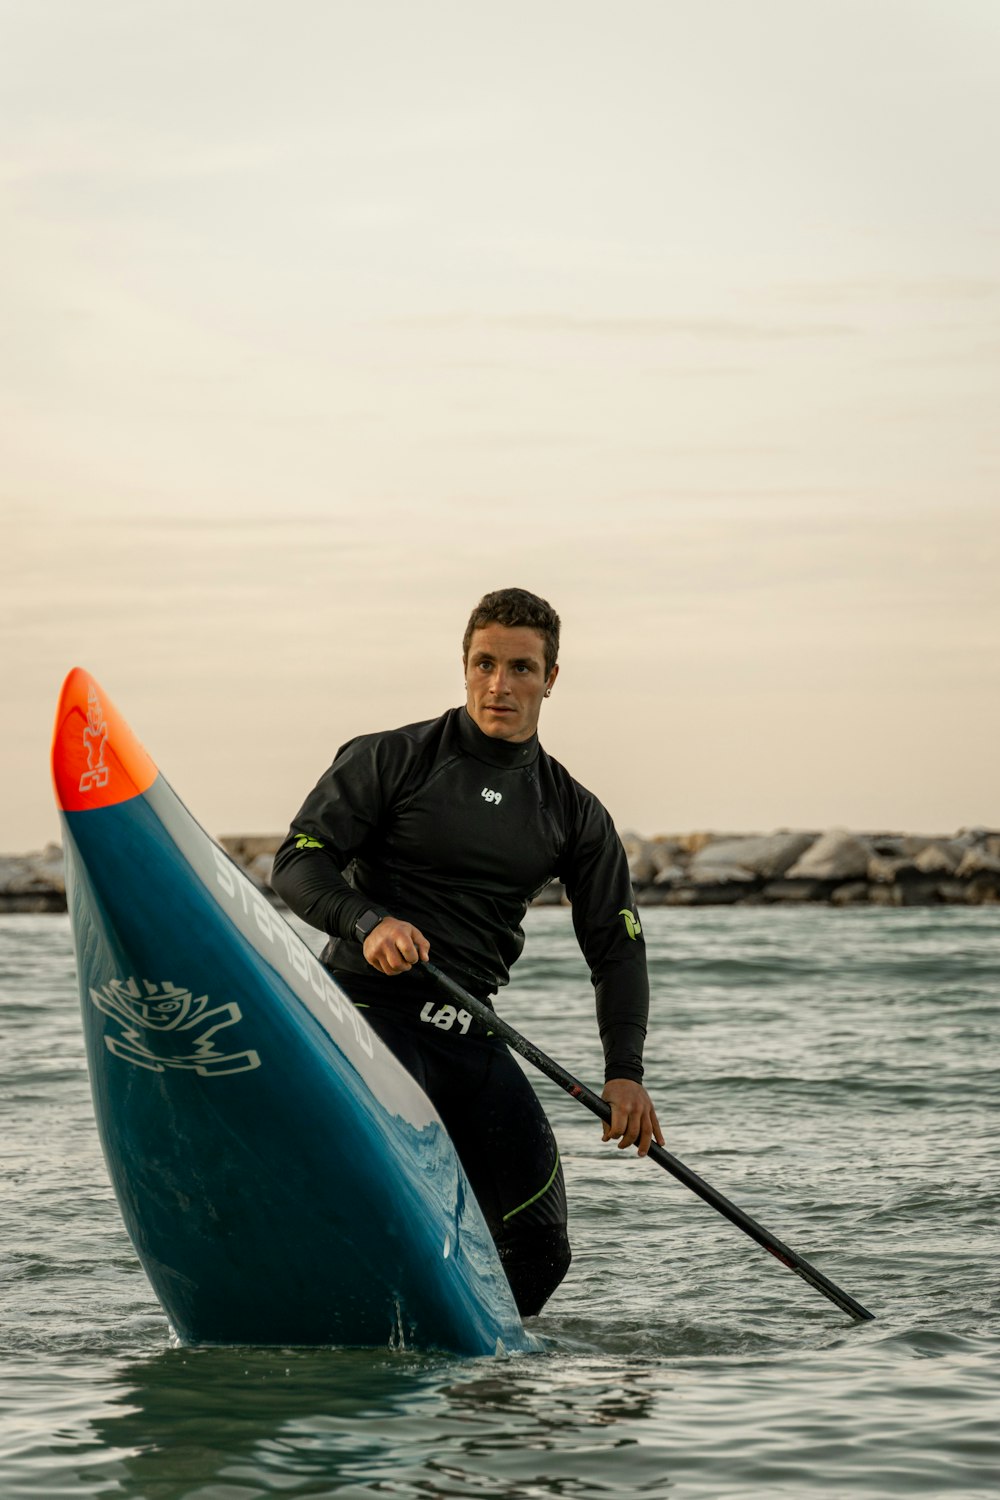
632	924
305	842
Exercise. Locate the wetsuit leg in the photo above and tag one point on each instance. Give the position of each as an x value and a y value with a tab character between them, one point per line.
499	1130
512	1161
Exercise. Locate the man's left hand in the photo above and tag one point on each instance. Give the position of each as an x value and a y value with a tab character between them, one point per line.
633	1118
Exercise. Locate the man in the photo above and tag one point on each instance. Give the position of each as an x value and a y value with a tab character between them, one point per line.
431	840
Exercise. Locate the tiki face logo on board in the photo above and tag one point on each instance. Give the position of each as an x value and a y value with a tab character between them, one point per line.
163	1026
95	734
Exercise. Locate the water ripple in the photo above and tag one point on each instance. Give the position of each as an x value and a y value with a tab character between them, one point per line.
831	1071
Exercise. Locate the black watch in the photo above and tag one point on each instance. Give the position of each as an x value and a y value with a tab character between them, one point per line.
366	923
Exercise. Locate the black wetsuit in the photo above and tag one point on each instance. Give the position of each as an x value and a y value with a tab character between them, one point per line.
453	831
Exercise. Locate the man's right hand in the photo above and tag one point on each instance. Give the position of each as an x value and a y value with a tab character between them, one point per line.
394	947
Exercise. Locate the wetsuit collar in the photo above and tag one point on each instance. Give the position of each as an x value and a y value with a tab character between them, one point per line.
493	752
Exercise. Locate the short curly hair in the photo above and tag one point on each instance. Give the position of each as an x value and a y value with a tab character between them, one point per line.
513	608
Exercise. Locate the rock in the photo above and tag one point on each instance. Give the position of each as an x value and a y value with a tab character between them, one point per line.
954	892
910	844
910	888
33	874
639	853
11	872
789	889
666	850
34	902
722	894
883	868
984	889
976	861
915	889
667	861
691	843
891	845
885	895
767	856
967	838
678	895
247	847
722	874
940	857
851	893
836	855
653	895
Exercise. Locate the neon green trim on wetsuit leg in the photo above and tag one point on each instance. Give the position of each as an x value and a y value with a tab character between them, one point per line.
535	1197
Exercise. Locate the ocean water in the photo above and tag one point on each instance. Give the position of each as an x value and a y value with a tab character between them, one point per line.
833	1072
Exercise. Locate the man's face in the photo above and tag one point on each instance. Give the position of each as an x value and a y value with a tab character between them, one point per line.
505	680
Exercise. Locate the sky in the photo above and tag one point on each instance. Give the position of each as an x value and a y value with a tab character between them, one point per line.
319	321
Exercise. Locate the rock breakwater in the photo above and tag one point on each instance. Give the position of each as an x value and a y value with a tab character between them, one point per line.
836	866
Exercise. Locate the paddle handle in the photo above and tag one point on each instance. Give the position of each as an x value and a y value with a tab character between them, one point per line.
663	1158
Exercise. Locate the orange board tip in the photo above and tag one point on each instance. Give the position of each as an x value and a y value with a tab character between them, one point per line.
96	759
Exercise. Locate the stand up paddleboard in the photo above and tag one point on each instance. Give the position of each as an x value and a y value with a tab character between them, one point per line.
282	1178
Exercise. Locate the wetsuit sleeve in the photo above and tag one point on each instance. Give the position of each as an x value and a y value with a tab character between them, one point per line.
599	887
340	815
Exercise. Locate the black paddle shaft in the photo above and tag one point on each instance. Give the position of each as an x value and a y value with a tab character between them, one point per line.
488	1018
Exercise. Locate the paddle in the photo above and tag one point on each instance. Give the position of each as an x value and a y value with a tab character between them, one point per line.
663	1158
